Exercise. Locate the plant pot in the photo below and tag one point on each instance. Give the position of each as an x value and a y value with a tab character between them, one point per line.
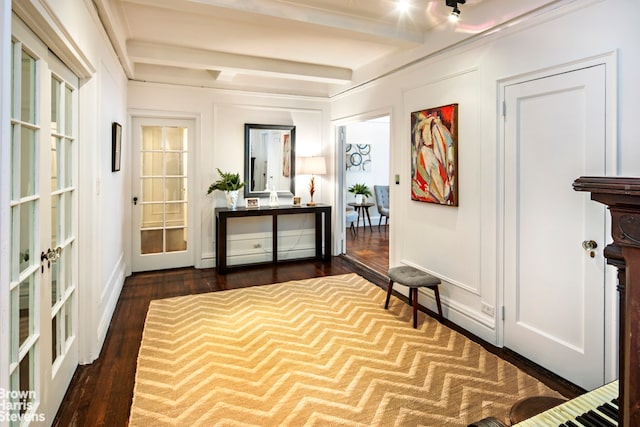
359	199
232	199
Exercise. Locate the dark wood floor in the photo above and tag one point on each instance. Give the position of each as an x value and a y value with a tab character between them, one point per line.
100	394
370	246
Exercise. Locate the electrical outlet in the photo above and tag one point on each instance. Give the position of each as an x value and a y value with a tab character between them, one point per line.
488	309
257	245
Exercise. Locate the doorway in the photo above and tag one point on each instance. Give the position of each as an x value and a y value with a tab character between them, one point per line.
554	284
365	148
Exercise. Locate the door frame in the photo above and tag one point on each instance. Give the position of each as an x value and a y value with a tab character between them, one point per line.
194	177
610	61
5	180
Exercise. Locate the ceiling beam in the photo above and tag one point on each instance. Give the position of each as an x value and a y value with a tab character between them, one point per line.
226	63
114	24
367	28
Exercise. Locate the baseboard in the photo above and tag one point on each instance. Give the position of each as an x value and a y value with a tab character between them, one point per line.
109	300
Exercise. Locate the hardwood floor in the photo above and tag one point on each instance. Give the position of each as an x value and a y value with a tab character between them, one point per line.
370	246
100	394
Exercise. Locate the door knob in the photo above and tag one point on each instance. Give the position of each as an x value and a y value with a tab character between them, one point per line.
588	245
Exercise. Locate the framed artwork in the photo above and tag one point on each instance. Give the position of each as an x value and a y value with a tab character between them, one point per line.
358	157
253	202
434	155
116	146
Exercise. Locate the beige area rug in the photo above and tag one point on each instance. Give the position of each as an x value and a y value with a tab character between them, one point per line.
314	352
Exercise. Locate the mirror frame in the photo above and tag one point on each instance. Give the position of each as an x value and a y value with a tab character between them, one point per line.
248	127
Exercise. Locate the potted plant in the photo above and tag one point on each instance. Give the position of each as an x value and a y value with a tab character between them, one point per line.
230	183
361	191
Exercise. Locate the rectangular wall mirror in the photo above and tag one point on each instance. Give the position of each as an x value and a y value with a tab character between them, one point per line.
269	159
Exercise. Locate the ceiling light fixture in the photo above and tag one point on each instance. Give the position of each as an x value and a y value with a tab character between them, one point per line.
403	6
455	13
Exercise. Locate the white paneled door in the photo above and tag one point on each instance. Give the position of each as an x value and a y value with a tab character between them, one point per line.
162	217
553	283
43	265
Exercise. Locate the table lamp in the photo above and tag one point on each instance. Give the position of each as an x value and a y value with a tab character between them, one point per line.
312	166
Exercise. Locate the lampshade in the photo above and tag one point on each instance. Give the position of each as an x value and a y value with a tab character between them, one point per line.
312	166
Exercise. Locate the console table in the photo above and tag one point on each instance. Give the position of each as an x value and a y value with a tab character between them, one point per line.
323	223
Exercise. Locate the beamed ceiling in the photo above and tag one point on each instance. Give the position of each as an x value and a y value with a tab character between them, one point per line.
303	47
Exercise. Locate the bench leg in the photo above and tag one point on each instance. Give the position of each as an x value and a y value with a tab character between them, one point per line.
437	293
389	289
414	291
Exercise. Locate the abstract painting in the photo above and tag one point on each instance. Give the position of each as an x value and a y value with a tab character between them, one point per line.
434	155
358	157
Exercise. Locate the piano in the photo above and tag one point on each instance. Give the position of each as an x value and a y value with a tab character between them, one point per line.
622	197
597	408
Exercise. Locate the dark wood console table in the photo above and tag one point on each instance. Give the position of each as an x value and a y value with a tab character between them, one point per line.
622	196
322	224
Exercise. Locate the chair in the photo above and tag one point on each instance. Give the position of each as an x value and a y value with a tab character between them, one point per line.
351	217
382	202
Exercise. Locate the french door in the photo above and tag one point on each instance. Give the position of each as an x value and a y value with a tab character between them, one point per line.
43	265
162	218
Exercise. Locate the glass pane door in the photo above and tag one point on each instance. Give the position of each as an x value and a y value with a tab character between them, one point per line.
62	218
161	206
25	282
43	353
164	190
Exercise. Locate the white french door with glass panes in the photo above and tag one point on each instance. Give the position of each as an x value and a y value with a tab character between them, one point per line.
43	264
162	220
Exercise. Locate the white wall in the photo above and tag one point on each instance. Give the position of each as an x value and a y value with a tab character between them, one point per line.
220	143
463	246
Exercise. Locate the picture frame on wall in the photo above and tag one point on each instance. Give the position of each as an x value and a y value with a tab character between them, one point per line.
116	146
434	155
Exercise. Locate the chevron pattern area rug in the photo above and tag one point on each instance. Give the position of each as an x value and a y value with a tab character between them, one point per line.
316	352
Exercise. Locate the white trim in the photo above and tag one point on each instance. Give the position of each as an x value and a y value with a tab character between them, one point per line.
109	299
40	17
450	281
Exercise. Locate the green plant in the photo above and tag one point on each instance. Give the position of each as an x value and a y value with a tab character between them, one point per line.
360	189
228	182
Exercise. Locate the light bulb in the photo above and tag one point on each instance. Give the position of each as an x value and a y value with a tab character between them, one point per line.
403	6
455	15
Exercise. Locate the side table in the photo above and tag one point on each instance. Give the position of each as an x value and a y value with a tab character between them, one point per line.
363	209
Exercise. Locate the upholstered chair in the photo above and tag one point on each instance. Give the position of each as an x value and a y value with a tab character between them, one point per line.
351	217
382	202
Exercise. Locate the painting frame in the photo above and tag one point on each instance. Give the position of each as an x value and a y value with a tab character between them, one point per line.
434	155
116	146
